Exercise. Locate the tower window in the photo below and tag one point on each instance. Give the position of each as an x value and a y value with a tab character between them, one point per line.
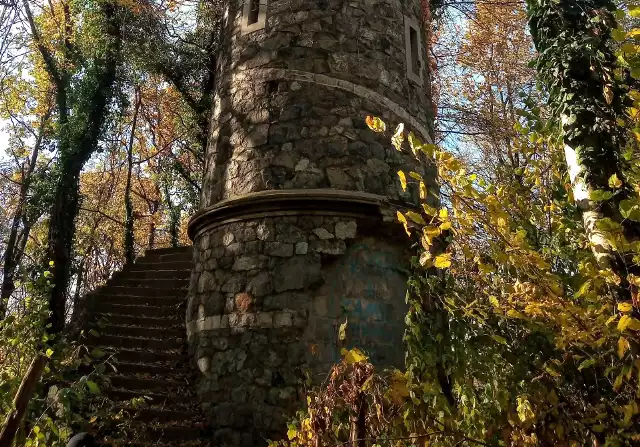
254	15
413	49
254	12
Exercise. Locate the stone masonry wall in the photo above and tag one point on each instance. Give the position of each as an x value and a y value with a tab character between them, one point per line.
291	99
268	296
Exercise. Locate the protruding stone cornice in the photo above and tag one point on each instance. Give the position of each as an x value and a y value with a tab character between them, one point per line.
292	202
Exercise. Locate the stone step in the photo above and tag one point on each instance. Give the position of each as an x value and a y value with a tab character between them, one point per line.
152	283
127	368
182	273
117	341
160	415
170	257
143	291
139	310
173	322
139	331
134	383
151	265
116	298
168	250
154	398
153	357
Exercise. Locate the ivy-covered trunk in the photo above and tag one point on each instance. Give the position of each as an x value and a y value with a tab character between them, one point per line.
577	64
78	138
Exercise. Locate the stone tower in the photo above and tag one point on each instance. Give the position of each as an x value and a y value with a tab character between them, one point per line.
296	231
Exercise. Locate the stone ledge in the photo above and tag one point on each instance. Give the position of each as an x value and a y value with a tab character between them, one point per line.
258	320
292	202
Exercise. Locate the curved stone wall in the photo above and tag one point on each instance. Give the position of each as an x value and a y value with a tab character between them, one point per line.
291	99
297	232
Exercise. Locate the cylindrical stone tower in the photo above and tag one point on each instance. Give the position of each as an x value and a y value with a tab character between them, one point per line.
296	232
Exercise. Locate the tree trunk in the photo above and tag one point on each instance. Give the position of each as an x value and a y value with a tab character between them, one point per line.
13	256
589	101
21	401
129	238
61	231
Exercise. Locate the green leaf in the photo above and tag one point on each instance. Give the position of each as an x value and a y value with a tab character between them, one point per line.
93	387
98	353
630	209
499	339
600	196
586	364
618	35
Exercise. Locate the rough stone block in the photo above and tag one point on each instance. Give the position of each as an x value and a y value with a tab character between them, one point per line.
346	230
278	249
302	248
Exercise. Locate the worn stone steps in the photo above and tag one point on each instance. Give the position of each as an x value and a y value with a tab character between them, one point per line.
167	257
160	415
135	310
119	341
151	369
131	280
135	383
142	322
144	291
117	298
151	266
147	356
140	331
159	273
138	319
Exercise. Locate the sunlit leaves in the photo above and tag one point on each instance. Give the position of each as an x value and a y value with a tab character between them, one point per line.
375	124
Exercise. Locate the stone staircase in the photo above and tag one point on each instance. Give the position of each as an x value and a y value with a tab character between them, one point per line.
141	314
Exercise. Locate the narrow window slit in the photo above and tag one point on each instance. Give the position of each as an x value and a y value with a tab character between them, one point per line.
415	51
254	12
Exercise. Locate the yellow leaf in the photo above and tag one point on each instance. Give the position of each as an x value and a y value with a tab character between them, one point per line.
414	175
443	261
625	307
423	191
425	259
494	301
353	355
292	434
628	322
623	345
444	213
634	325
514	314
614	181
618	382
342	331
445	226
376	124
415	217
403	180
608	94
398	137
431	231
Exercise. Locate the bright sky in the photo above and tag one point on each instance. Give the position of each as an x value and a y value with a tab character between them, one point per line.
3	139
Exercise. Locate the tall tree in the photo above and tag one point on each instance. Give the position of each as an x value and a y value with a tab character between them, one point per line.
83	75
578	66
